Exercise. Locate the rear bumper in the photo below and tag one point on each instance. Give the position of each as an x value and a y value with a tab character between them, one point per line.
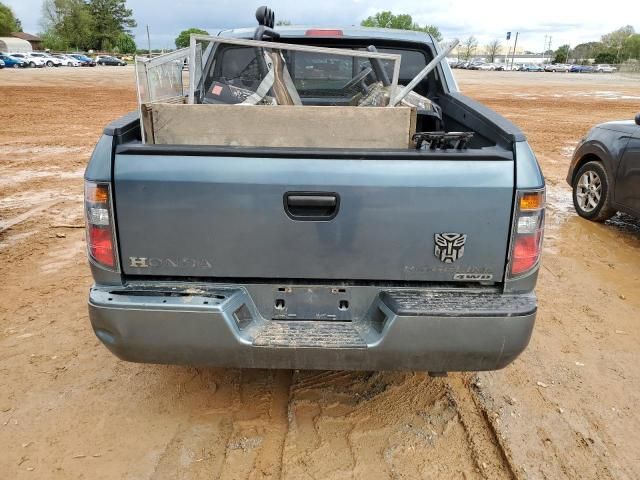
399	330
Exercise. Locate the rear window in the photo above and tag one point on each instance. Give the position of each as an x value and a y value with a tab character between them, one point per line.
412	62
314	74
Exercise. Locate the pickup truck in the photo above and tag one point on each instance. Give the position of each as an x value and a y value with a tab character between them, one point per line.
319	258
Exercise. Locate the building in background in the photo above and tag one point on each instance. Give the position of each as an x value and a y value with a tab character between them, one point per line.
35	41
14	45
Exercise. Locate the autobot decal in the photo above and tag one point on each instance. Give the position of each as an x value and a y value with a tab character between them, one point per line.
449	247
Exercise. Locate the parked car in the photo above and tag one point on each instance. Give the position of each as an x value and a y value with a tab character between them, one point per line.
454	289
49	60
605	171
110	61
581	69
463	64
486	67
605	68
12	62
556	67
84	60
532	67
29	60
476	64
68	60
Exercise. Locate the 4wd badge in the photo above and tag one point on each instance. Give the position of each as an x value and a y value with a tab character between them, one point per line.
449	247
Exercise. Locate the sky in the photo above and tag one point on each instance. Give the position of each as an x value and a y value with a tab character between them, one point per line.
566	21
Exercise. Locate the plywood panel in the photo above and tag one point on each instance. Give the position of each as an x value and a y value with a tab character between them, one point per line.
283	126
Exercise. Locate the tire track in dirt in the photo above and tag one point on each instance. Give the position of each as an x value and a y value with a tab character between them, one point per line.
491	454
237	433
269	461
387	425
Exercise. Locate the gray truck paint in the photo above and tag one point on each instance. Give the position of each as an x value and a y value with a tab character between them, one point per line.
164	318
232	209
205	328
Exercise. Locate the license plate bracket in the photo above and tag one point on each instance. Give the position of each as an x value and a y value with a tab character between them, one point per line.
312	303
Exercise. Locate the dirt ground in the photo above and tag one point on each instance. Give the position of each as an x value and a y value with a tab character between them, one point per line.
69	409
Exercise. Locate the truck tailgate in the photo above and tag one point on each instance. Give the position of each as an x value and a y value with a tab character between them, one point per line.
313	218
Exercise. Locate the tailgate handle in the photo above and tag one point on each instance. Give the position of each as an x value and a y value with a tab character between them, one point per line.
311	206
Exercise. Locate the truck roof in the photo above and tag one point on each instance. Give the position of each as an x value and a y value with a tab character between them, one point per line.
347	32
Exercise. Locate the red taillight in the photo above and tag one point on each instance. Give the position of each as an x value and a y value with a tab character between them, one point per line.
101	245
100	237
528	230
323	32
526	251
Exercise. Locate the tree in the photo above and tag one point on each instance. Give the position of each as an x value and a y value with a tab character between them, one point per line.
631	48
125	43
110	19
86	24
433	31
182	40
468	47
8	21
67	23
616	38
605	57
586	51
53	41
386	19
615	41
492	50
561	54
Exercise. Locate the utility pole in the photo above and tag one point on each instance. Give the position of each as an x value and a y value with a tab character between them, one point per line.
513	55
506	55
549	47
148	41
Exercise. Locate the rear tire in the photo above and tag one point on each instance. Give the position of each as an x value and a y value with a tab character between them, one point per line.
32	64
591	192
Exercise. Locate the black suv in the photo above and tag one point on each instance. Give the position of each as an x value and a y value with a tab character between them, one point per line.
605	171
111	61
